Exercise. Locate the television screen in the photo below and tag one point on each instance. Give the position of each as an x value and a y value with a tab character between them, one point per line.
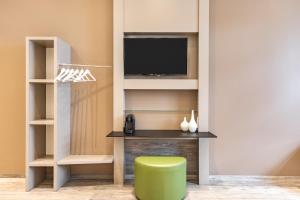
155	56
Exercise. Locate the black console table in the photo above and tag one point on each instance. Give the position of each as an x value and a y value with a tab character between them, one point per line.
175	134
160	142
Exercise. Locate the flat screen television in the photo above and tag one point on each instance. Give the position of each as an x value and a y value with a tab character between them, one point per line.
155	56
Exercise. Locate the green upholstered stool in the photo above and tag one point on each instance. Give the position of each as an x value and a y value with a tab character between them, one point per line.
160	177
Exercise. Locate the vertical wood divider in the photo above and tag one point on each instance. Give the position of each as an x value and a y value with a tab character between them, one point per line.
29	173
62	115
203	91
118	89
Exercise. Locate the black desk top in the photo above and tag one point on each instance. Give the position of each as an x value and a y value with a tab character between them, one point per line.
176	134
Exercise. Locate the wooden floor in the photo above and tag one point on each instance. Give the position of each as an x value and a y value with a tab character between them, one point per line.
220	188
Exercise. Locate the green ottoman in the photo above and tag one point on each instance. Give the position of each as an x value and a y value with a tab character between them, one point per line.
160	178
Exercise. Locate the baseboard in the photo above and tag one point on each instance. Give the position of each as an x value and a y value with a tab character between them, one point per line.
11	176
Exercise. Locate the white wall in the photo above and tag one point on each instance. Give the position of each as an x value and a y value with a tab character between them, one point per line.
255	77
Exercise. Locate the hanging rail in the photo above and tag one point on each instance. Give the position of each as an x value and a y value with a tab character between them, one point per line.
80	65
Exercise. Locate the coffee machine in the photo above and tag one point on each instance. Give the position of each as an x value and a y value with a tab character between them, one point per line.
129	126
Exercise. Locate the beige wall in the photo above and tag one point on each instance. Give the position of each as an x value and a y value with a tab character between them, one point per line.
87	26
255	106
255	73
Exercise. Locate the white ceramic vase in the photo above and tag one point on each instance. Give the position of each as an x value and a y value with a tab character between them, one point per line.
192	123
184	125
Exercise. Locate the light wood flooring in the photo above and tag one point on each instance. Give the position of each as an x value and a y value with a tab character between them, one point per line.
220	188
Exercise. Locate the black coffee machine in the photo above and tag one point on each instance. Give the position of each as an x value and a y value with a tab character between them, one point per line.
129	126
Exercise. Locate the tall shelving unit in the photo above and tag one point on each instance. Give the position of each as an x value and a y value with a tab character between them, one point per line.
44	121
161	103
48	120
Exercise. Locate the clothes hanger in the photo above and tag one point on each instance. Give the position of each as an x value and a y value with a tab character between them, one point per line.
62	71
66	72
88	74
70	74
91	75
74	75
79	77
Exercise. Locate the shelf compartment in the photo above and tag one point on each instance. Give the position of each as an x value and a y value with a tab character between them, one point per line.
160	109
41	81
40	141
86	159
46	161
40	177
40	64
160	84
41	101
42	122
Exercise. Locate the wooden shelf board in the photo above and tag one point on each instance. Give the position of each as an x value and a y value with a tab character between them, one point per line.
157	111
160	84
46	161
47	42
46	81
86	159
175	134
42	122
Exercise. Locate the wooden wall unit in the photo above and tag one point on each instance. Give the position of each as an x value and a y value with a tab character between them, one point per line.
145	96
48	116
160	109
40	111
161	16
187	148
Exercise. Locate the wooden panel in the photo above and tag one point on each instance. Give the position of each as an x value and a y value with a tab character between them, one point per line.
42	122
91	115
162	147
161	84
62	112
203	161
35	175
118	92
50	99
46	42
161	16
160	110
36	60
203	94
86	159
61	176
159	120
36	102
119	161
50	63
43	162
48	81
49	140
160	100
38	141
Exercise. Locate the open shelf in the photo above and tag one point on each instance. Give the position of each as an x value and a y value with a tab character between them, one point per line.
41	101
41	63
160	109
43	176
42	122
86	159
46	161
160	84
41	81
41	143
